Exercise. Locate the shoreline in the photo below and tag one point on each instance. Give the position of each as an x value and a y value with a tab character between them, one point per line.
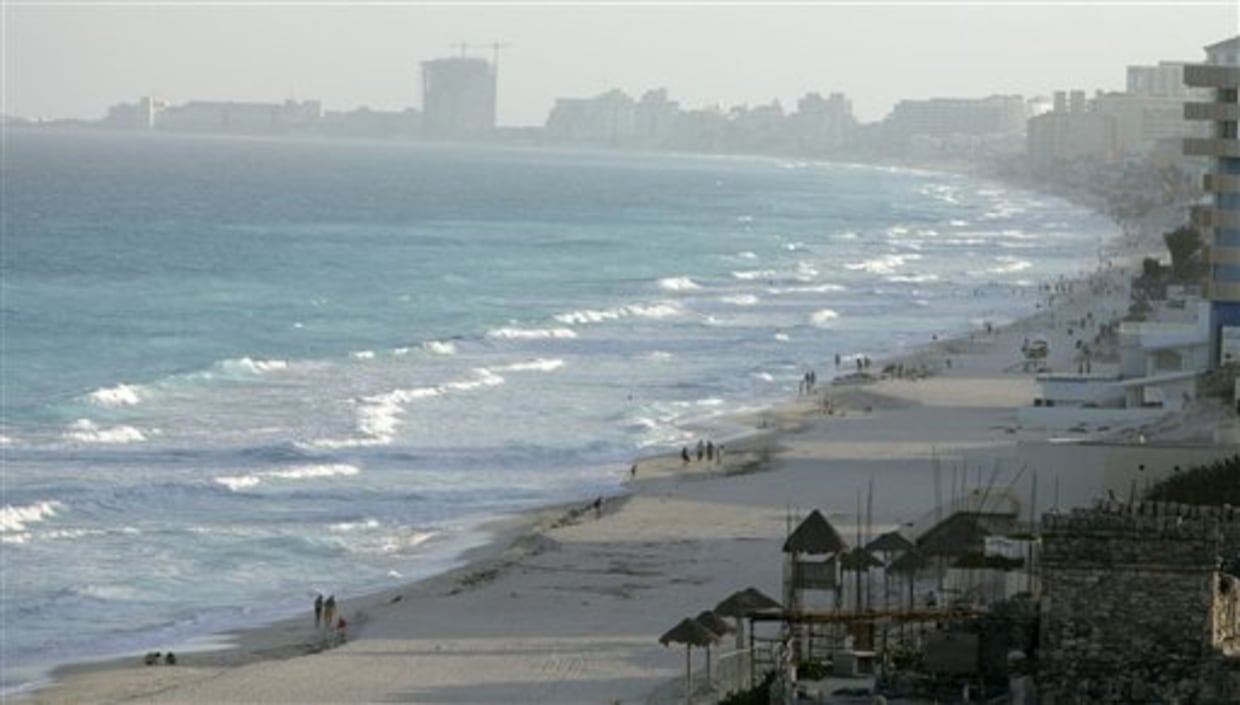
511	538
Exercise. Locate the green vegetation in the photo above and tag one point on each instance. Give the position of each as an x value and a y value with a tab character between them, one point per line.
1217	483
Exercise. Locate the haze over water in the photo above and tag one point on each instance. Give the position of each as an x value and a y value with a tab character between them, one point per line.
237	371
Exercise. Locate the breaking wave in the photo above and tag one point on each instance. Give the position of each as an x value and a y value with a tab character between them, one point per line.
823	317
439	347
87	431
531	334
252	366
656	310
120	395
15	519
236	483
678	284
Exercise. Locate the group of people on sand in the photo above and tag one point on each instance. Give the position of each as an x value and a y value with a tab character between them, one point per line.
325	613
153	657
706	451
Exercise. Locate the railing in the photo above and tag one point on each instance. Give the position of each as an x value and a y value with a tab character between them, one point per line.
729	672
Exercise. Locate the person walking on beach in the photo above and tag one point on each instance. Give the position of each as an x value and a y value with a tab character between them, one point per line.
329	610
341	625
318	610
701	450
684	454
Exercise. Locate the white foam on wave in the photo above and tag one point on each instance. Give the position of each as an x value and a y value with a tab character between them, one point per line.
483	377
764	376
809	289
913	278
87	431
532	334
252	365
6	440
589	316
406	540
237	483
659	355
884	264
741	300
15	519
379	416
678	284
439	347
362	354
752	274
747	255
120	395
400	352
824	317
1009	265
538	365
782	337
662	309
346	526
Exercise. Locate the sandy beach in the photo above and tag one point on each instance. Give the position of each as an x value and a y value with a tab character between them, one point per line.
567	604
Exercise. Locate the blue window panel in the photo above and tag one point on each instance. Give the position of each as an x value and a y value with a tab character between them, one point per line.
1227	237
1227	273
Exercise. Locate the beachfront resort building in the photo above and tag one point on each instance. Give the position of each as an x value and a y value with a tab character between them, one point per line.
458	97
1220	74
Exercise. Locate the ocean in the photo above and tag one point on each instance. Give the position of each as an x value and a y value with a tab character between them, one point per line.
237	372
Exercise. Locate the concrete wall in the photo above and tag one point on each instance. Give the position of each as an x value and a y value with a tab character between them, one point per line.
1129	606
1071	474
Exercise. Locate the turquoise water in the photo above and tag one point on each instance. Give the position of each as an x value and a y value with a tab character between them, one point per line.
239	371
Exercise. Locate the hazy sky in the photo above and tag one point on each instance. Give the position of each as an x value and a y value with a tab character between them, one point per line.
73	59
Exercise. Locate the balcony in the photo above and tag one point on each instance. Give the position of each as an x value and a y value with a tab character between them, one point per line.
1222	255
1211	147
1210	76
1212	111
1222	291
1221	183
1208	217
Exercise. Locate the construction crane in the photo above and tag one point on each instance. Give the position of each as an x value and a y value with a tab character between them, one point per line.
463	45
495	47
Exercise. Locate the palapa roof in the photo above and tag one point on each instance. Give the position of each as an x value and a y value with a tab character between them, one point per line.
857	559
815	535
742	603
689	632
713	622
964	532
910	561
890	542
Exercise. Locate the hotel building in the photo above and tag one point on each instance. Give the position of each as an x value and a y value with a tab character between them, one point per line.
1220	218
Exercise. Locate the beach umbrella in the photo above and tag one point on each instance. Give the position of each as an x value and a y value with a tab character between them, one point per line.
739	605
889	544
715	623
910	563
691	633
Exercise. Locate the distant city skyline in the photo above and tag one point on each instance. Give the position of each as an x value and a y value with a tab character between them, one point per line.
73	61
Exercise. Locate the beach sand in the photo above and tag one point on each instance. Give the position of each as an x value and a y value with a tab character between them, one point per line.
567	604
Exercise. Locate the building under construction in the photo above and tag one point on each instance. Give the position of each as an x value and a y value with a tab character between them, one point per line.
458	97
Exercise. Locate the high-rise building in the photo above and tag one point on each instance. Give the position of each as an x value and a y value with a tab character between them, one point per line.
1221	218
458	97
1166	78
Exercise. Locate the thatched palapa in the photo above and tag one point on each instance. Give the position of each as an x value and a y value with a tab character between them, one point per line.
814	536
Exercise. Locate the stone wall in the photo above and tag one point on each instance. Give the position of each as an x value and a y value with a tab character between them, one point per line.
1134	607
